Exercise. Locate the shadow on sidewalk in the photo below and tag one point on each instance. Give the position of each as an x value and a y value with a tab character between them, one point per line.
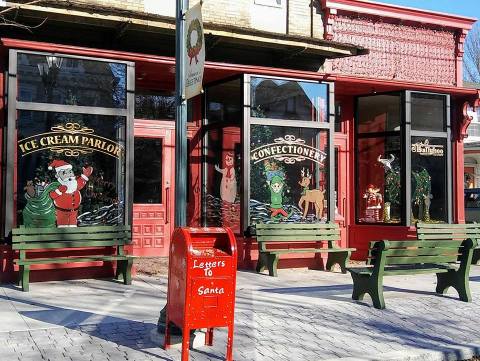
136	335
333	291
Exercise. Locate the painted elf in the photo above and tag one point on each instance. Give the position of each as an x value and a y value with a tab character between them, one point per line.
67	197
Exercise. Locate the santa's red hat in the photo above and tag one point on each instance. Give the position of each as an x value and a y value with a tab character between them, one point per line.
59	165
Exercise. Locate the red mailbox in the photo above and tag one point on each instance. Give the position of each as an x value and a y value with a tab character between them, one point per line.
201	283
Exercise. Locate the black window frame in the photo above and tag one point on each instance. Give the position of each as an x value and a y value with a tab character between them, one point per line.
249	120
406	134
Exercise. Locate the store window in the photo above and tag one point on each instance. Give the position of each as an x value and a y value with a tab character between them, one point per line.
396	146
154	105
148	155
63	80
289	143
428	112
222	155
267	155
288	100
288	174
224	102
429	179
70	166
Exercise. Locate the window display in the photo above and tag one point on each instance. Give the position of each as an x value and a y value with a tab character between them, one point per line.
288	180
379	181
429	180
384	136
222	167
71	169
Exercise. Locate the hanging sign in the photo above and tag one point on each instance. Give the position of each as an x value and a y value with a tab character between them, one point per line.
288	150
195	51
427	149
71	140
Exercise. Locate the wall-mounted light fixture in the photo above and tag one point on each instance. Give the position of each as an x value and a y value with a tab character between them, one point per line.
52	63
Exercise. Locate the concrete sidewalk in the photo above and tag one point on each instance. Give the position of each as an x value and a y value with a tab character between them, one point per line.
301	315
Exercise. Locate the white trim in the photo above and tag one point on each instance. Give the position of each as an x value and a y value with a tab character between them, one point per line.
58	192
84	177
63	167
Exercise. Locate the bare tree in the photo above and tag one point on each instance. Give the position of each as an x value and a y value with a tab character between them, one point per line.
472	55
6	20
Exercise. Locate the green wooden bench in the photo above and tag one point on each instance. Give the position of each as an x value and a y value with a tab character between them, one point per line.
283	238
427	231
449	260
88	239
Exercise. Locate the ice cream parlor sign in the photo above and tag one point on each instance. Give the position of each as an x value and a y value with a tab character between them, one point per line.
71	140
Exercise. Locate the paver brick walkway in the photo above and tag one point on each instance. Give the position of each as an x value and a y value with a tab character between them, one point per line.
301	315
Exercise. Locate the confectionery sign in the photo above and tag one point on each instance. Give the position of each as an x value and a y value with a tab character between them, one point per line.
289	150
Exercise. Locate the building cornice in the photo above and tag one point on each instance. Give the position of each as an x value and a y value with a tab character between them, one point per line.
366	7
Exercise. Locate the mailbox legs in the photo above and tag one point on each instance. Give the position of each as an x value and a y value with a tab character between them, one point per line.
229	355
185	343
209	337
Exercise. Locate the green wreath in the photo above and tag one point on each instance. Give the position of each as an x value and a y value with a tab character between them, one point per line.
193	51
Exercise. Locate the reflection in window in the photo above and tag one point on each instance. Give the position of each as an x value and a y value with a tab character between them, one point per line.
224	102
379	113
158	106
71	169
223	159
286	99
147	171
71	81
428	112
429	179
288	177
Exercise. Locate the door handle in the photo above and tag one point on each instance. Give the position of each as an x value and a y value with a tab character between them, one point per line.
167	205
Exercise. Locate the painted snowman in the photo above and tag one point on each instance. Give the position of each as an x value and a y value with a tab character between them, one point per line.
228	185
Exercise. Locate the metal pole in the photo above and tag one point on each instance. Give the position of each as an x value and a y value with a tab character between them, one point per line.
181	118
180	138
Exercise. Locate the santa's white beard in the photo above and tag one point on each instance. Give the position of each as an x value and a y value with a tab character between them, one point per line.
71	184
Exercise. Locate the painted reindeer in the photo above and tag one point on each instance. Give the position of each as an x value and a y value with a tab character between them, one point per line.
315	196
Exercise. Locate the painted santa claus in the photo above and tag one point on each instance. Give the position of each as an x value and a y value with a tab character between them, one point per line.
67	197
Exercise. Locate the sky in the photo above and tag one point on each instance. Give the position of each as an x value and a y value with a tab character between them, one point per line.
469	8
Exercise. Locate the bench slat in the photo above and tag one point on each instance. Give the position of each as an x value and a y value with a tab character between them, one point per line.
67	244
449	235
71	259
420	259
70	237
426	244
446	225
308	250
295	238
287	226
400	271
308	232
67	230
417	252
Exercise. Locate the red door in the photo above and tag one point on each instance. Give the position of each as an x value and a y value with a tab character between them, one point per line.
153	187
343	172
